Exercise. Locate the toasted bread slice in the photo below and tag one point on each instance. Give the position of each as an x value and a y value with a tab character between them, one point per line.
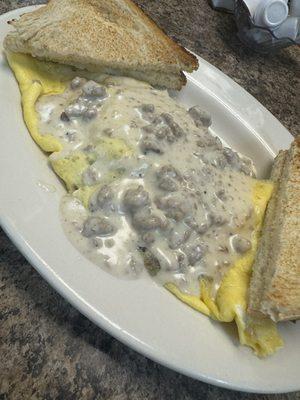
275	282
107	35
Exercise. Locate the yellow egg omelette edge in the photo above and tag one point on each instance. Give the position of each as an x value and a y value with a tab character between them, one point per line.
230	302
37	78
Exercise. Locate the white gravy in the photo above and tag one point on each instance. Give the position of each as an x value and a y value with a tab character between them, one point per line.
180	206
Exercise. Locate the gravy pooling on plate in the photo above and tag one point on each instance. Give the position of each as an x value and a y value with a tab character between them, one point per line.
166	196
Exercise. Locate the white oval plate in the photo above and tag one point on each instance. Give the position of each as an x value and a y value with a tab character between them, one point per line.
139	313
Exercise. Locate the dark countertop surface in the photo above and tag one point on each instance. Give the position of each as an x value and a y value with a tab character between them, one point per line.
48	350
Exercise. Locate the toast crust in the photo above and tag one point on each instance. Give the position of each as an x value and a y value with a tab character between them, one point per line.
99	34
188	59
275	283
260	273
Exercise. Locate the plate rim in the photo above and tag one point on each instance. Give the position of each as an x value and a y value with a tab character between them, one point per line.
82	306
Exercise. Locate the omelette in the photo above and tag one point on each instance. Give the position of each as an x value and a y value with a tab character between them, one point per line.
149	188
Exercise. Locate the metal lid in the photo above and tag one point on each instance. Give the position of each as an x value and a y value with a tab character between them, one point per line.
271	13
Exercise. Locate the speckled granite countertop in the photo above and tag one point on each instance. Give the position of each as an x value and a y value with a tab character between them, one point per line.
48	350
